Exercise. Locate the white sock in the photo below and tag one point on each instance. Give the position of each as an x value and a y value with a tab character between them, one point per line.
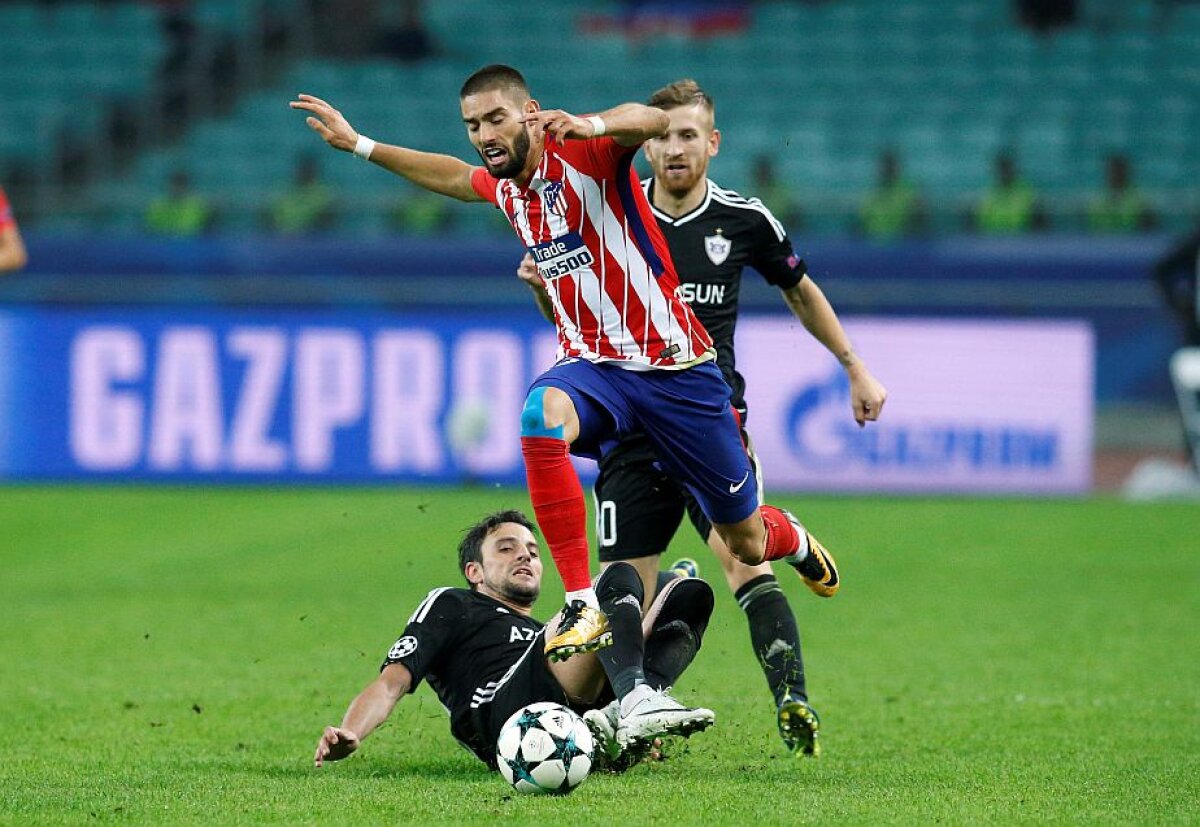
587	595
802	552
635	697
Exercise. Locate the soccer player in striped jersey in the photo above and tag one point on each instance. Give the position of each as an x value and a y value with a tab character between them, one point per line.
633	356
713	233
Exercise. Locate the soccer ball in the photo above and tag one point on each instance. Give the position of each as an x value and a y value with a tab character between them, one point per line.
545	748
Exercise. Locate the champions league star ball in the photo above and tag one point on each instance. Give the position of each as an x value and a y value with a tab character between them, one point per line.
544	748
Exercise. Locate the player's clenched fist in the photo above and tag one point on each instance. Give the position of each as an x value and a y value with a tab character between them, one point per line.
867	395
335	744
327	122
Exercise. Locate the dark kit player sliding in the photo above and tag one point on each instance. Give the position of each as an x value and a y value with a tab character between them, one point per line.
482	653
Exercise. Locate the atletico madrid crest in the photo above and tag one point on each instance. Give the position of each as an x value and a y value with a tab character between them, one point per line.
717	246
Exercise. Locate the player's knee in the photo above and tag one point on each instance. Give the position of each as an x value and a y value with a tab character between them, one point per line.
533	416
620	580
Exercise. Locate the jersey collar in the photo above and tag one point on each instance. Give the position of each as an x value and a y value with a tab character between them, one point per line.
502	606
687	216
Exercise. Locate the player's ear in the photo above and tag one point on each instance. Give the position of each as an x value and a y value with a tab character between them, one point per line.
474	573
528	108
714	142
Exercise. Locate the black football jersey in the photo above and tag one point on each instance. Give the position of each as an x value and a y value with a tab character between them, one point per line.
462	643
710	246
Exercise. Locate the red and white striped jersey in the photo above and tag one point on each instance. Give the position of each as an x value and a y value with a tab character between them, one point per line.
587	224
6	213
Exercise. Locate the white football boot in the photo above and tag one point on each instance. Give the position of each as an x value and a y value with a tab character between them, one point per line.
646	714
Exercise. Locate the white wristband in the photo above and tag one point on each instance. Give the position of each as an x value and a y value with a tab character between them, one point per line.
598	125
364	148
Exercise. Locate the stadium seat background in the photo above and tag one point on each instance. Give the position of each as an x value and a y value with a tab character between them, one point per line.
821	88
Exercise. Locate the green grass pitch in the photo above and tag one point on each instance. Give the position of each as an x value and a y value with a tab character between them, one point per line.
171	655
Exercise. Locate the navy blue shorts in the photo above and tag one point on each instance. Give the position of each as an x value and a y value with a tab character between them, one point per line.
686	415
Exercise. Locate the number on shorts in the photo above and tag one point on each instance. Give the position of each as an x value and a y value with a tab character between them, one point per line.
606	523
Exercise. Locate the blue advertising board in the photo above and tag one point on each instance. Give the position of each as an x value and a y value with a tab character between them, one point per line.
263	395
240	395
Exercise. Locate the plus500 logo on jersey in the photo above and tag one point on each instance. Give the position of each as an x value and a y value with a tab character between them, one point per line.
563	255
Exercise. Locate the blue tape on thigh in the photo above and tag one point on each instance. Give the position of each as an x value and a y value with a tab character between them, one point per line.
533	419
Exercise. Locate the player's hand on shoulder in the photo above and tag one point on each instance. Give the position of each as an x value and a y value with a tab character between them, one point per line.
867	395
528	272
562	125
335	744
327	122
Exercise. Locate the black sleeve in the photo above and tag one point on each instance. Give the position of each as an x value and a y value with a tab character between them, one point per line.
1177	274
432	629
1182	256
773	256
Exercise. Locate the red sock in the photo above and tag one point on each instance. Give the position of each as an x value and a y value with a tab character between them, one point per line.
559	507
782	537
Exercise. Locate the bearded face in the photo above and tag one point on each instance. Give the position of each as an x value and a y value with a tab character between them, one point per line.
511	566
680	157
493	121
506	161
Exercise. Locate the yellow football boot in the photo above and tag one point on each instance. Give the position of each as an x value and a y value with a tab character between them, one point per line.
582	629
818	569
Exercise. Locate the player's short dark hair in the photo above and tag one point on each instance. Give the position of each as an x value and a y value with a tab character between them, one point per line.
470	550
685	92
491	77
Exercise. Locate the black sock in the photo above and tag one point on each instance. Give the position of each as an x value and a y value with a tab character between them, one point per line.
620	593
774	636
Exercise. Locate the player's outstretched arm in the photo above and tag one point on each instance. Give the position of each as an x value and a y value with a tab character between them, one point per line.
808	303
629	124
443	174
528	273
365	713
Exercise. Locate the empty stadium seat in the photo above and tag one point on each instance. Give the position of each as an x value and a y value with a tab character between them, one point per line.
823	87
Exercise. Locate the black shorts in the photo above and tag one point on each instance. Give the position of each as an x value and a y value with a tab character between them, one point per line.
639	507
527	682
